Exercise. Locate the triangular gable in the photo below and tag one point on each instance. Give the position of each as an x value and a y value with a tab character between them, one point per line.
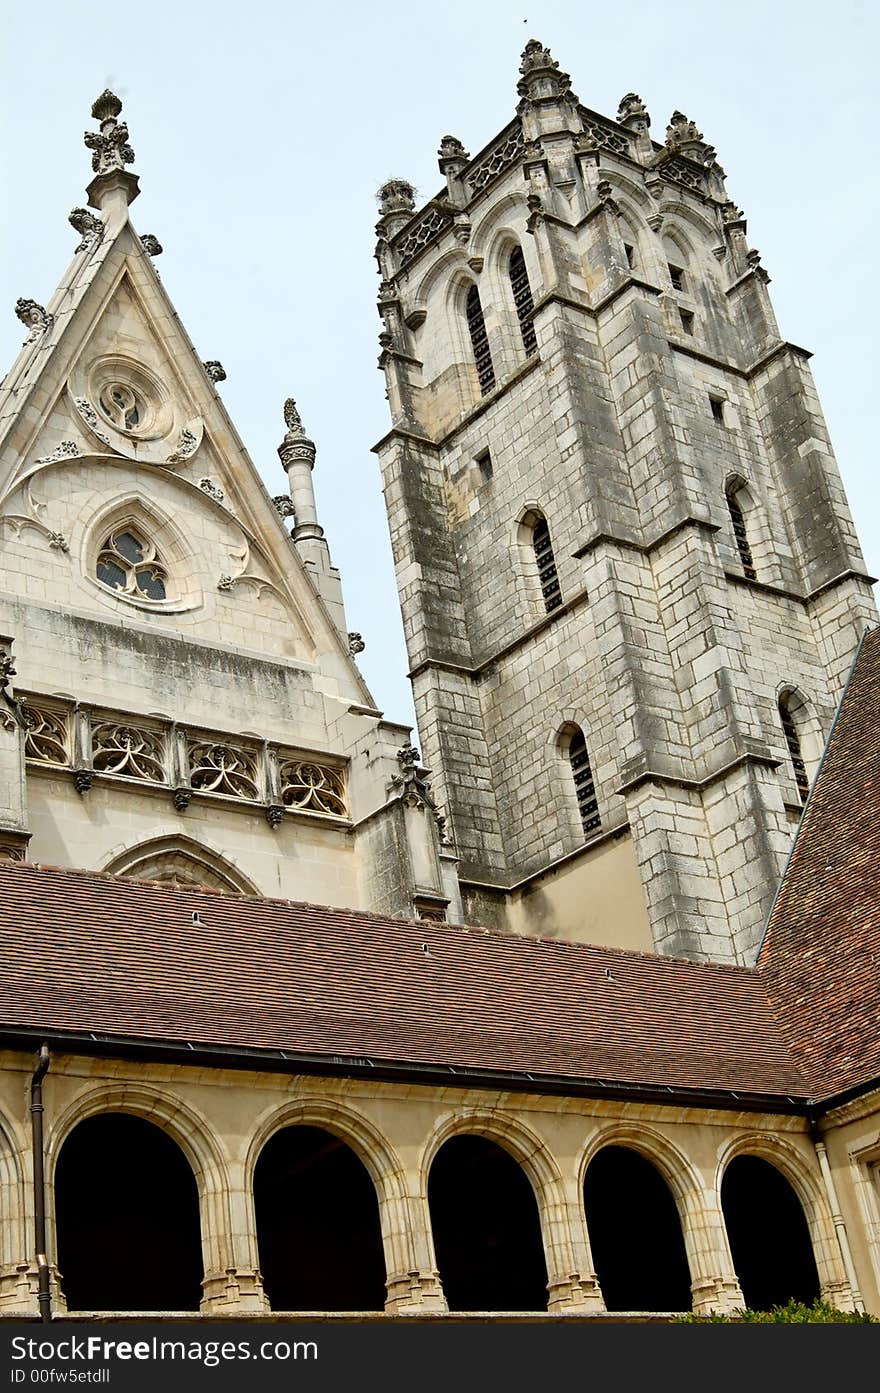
111	320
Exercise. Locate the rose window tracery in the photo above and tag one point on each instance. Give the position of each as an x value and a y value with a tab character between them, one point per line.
130	563
122	405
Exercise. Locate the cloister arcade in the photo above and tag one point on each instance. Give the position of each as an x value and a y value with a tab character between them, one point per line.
406	1200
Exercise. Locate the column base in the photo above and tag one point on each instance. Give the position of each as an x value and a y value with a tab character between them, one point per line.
413	1293
838	1294
575	1293
233	1290
19	1287
716	1296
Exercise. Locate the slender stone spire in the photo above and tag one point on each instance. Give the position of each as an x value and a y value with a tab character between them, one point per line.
113	186
297	454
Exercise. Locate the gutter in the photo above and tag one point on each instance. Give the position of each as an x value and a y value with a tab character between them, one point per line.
44	1295
191	1054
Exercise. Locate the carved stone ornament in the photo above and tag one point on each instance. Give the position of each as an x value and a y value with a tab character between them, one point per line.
110	147
12	712
541	75
452	156
631	108
355	643
274	815
681	131
283	505
187	445
411	786
211	489
215	370
34	317
182	797
226	582
58	542
91	418
68	449
82	780
151	245
312	788
396	196
89	227
296	444
129	752
220	768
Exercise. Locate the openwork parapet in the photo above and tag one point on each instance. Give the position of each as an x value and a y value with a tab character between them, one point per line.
190	764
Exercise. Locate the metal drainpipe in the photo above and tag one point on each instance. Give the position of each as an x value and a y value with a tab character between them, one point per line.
836	1216
44	1295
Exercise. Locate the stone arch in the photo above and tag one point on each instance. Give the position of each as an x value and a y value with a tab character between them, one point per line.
533	598
679	1175
500	218
182	860
191	1131
808	727
535	1159
496	275
791	1165
369	1145
575	778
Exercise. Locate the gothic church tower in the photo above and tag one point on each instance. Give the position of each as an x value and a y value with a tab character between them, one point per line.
630	583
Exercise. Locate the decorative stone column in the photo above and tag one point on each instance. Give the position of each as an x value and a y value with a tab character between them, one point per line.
572	1284
232	1281
413	1287
714	1284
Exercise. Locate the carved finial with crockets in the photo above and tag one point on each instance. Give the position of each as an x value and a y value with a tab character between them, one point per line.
89	227
541	77
111	152
34	317
296	446
292	418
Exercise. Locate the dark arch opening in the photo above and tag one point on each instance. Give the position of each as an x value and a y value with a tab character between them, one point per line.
127	1217
487	1232
635	1234
768	1234
318	1226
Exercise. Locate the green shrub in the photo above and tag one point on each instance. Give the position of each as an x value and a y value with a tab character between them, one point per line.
793	1313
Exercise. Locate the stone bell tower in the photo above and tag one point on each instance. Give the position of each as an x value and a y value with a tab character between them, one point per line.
630	583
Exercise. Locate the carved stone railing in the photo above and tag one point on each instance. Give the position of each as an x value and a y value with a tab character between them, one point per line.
189	763
420	233
605	133
505	152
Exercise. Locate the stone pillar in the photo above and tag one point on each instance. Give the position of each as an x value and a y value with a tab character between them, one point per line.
413	1282
232	1281
714	1282
572	1284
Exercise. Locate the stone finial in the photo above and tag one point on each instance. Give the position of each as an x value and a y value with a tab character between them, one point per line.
452	156
215	370
151	245
109	146
111	152
413	787
296	445
34	317
681	134
90	228
355	643
396	196
632	109
541	76
283	506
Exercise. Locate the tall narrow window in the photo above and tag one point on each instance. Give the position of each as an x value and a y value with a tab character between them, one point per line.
793	741
584	787
546	563
740	534
479	341
522	298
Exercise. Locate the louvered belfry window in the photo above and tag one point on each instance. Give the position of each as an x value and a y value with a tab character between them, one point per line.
740	535
522	298
792	740
480	341
588	804
546	563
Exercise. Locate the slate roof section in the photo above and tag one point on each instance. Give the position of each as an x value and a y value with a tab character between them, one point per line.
83	952
821	952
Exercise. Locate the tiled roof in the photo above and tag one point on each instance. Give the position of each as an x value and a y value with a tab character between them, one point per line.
82	953
821	954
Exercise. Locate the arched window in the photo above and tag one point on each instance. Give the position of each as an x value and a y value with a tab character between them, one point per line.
793	741
546	563
129	562
479	340
739	530
522	299
584	787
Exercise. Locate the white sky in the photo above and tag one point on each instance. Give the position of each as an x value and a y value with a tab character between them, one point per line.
262	130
